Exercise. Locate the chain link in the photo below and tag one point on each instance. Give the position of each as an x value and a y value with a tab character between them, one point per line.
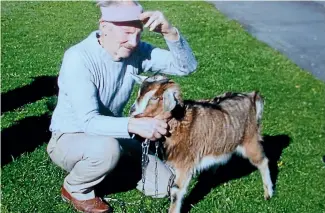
144	163
145	160
156	169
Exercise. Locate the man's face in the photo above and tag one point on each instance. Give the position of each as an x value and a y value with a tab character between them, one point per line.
122	37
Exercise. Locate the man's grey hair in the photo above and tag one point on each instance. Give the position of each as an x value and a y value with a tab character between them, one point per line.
107	3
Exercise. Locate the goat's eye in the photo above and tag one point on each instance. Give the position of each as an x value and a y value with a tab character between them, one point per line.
154	98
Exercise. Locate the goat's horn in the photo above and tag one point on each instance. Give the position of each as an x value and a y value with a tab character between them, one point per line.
138	78
156	73
163	81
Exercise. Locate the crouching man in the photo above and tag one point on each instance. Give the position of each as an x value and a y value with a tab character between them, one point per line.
95	83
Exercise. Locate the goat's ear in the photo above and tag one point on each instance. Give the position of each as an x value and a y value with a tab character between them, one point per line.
169	100
138	78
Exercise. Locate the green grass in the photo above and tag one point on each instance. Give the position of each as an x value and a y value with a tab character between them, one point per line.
33	39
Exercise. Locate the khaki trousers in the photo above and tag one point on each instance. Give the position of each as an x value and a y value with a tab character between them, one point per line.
88	159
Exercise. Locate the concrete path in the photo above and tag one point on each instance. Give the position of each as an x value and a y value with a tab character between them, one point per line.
296	29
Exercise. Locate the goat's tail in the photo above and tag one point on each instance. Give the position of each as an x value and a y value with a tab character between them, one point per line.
259	106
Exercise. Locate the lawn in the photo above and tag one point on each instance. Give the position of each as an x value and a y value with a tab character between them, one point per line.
34	36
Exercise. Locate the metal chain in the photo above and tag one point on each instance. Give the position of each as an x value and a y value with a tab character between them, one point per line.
144	161
121	203
156	170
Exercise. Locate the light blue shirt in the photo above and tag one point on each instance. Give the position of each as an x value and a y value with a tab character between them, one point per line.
94	89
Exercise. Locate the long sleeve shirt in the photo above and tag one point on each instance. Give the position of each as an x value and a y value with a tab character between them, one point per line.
94	89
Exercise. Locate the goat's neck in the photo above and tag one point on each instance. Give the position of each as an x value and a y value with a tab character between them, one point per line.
178	114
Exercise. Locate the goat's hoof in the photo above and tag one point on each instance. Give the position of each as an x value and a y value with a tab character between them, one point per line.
268	196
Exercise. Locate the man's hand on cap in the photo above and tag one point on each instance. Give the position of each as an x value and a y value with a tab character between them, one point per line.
156	21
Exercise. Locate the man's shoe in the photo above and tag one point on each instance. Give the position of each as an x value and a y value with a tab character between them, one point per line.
95	205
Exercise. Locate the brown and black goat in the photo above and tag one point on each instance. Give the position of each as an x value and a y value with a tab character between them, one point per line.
204	133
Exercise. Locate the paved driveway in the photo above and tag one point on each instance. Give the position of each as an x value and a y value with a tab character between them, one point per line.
296	29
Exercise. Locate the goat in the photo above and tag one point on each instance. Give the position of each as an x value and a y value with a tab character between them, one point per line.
204	133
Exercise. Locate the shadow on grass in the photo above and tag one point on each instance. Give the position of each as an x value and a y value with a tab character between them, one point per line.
23	137
124	178
126	174
42	86
128	171
237	167
30	132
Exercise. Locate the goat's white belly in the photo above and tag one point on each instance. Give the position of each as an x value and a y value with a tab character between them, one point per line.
210	161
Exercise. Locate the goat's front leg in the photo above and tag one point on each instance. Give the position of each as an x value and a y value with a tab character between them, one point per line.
179	189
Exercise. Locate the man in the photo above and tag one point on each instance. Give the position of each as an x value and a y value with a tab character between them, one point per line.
95	84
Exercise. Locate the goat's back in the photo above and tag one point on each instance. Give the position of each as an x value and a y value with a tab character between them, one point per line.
213	127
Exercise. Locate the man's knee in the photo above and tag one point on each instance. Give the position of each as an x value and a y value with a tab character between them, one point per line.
104	153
